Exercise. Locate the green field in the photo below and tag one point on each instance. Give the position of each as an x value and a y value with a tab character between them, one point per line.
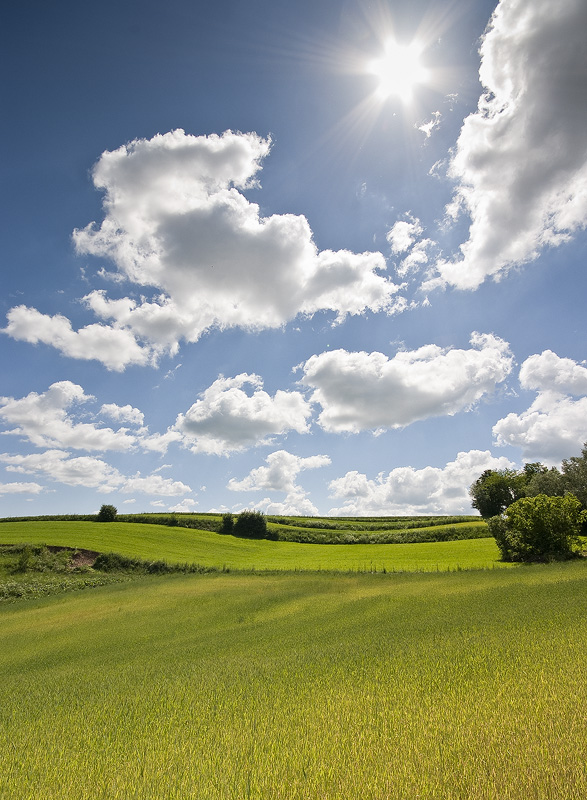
449	685
179	545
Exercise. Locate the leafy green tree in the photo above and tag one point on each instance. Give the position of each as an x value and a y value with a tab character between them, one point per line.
495	490
251	524
575	476
549	482
539	528
107	513
227	523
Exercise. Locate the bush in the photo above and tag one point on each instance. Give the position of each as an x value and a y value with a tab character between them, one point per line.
251	525
107	513
539	528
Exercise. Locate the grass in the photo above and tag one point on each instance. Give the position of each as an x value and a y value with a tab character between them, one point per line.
179	545
226	687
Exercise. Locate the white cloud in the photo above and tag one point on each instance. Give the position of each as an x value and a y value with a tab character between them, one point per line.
296	504
186	505
90	472
227	419
369	391
431	125
123	413
553	428
114	347
280	474
404	233
406	491
548	371
20	488
555	425
154	484
521	158
44	421
87	471
176	221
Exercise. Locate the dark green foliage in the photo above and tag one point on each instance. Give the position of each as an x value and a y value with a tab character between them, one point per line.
38	558
575	476
251	525
227	523
446	533
539	528
114	562
107	513
495	490
549	482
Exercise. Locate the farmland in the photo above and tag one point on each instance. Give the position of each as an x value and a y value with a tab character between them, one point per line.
293	683
178	545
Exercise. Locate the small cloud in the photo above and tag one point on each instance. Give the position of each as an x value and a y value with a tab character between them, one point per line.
431	125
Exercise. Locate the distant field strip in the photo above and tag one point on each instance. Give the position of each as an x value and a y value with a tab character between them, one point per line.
180	545
452	686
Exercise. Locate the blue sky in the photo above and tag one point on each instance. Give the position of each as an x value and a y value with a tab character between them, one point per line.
310	258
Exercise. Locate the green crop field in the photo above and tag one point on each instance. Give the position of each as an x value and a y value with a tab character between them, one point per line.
178	545
267	686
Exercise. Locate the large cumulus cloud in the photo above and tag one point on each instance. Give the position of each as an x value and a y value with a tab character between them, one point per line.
520	164
178	225
370	391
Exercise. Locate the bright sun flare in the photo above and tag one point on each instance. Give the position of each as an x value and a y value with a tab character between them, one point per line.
398	71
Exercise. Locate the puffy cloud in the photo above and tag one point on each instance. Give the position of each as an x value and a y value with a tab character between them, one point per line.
20	488
123	413
227	419
90	472
87	471
555	425
296	504
44	420
521	158
280	474
369	391
114	347
176	220
405	490
184	507
548	371
404	233
154	484
553	428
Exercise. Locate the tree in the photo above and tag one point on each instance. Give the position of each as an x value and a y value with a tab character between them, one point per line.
107	513
495	490
251	524
575	475
227	523
539	528
549	482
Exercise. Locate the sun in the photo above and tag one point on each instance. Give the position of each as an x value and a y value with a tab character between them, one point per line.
399	70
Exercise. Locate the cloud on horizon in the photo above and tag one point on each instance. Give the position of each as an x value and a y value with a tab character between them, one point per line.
409	491
555	425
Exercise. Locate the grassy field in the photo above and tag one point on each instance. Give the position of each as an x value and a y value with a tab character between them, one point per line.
300	686
179	545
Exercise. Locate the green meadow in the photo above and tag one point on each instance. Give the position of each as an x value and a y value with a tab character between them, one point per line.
438	685
367	672
180	545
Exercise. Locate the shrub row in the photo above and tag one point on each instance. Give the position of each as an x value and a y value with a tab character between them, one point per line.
446	534
114	562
